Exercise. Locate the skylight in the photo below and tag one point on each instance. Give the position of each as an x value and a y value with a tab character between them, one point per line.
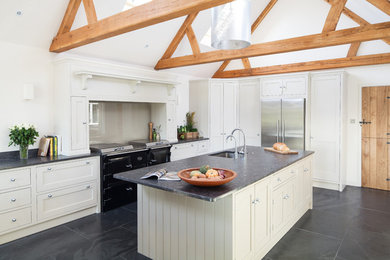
133	3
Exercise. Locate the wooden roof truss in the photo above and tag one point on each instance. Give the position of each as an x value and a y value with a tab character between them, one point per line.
328	37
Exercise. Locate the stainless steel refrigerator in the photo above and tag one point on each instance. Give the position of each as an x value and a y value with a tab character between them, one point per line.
283	120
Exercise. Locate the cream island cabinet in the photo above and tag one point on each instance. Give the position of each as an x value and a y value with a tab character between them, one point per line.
241	220
37	197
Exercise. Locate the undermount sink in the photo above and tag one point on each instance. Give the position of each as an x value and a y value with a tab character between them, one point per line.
226	154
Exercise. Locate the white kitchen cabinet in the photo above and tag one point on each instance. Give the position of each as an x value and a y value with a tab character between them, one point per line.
190	149
249	112
282	206
79	118
284	86
171	121
327	129
57	191
215	105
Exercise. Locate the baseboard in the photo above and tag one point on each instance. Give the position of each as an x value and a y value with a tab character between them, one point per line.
13	235
326	185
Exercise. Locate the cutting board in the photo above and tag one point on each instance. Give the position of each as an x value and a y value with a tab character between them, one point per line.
270	149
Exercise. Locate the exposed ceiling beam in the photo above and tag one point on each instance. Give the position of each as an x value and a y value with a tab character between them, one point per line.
383	5
151	13
193	41
70	14
308	66
334	15
179	36
254	26
263	14
353	49
366	33
90	11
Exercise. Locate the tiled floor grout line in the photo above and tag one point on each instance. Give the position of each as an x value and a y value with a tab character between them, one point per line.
316	233
77	233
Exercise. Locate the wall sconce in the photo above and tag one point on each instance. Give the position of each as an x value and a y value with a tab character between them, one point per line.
28	91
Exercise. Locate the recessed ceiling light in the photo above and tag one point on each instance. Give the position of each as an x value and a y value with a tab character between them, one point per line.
19	13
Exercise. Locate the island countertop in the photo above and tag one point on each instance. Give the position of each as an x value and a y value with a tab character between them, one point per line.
257	165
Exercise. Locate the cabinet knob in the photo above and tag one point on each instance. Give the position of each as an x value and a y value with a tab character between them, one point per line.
87	163
49	169
13	200
13	179
14	220
129	189
253	201
292	171
306	170
49	196
279	179
88	187
84	123
169	120
257	200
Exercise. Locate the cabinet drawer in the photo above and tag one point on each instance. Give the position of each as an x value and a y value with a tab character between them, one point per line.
14	179
62	202
203	147
55	176
14	199
283	176
14	219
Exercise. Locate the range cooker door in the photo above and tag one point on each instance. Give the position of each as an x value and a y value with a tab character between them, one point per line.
118	195
159	155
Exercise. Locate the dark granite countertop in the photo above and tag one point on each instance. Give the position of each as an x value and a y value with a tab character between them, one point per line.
10	163
257	165
190	140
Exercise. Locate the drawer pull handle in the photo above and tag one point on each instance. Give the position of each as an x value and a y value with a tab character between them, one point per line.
13	200
49	169
279	179
306	170
87	163
49	196
254	202
14	220
129	189
257	200
13	179
88	187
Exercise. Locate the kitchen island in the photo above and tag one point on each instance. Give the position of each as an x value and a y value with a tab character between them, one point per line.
242	219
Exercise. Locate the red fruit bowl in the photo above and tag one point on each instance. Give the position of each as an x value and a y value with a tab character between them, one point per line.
185	176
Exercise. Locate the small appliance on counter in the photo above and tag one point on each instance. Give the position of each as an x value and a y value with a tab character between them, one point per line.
116	158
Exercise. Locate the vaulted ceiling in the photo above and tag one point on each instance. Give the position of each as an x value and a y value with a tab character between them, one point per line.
40	19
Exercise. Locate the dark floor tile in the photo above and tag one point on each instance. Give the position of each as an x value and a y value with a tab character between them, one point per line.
54	243
114	244
325	222
134	255
299	244
131	226
375	199
131	207
361	243
372	221
94	225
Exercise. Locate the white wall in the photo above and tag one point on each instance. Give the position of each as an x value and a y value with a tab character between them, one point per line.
21	65
358	77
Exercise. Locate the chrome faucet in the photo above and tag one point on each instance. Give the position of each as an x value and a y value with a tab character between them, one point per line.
243	149
235	145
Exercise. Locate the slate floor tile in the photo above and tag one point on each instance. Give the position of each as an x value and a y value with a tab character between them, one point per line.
55	243
131	207
94	225
325	222
299	244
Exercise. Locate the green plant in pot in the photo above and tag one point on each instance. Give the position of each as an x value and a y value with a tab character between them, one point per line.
22	136
190	116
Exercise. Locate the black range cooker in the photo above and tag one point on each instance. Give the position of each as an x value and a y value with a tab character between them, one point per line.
116	158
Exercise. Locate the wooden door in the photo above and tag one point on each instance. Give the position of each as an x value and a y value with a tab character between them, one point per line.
375	137
375	110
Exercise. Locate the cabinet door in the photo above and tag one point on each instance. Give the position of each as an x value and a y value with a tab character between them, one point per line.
229	111
249	112
243	224
79	123
325	127
294	87
216	118
271	88
299	189
171	121
288	202
307	180
277	209
261	216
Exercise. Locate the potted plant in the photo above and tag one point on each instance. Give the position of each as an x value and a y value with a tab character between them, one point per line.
22	136
192	132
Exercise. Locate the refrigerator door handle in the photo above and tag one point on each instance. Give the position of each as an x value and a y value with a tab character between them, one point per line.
277	131
284	131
